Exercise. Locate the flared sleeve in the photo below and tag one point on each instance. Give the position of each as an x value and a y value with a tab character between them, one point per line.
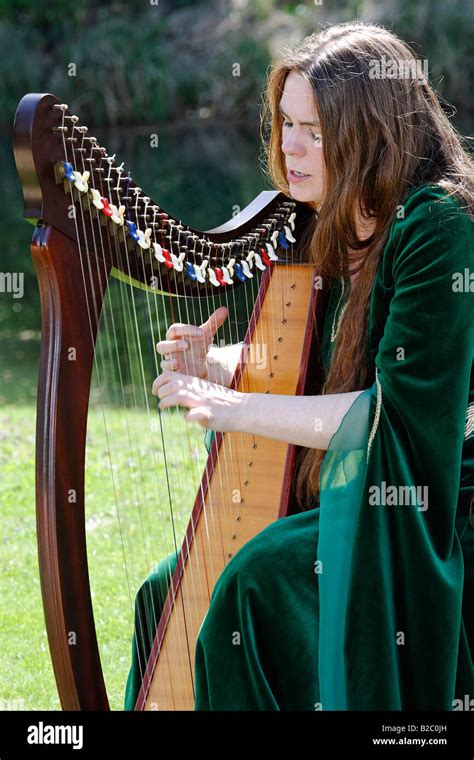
392	568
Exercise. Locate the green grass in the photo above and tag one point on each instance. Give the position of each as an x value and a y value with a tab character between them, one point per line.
128	530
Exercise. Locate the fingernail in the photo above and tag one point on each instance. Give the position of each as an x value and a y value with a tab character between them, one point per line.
183	343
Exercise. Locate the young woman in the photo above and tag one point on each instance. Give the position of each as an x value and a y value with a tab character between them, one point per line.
364	601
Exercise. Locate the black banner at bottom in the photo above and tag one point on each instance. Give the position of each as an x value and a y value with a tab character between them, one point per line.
374	734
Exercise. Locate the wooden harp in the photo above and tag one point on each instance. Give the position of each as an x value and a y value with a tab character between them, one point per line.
82	241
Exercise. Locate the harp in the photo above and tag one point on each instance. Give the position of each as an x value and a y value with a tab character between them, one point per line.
94	225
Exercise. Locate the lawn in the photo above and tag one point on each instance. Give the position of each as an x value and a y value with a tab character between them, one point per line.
129	529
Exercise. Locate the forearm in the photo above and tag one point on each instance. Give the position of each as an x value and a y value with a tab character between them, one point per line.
308	421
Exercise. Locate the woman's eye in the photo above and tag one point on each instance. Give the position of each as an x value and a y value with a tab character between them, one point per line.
317	138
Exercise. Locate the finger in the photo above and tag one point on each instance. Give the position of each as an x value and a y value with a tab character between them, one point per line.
215	321
157	386
176	379
168	364
166	377
162	391
181	398
198	414
171	346
180	329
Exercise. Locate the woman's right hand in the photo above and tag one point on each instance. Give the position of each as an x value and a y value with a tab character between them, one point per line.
186	346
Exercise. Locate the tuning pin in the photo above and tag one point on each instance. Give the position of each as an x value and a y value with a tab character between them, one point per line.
178	261
282	240
239	273
226	276
168	262
271	252
259	263
144	238
265	258
212	277
117	214
106	207
230	267
96	198
199	273
274	238
132	230
245	268
289	236
159	253
81	181
190	271
68	171
291	220
220	276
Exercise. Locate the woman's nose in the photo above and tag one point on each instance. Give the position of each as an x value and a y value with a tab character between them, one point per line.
292	147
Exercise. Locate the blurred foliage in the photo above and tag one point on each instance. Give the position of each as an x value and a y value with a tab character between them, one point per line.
443	32
122	63
55	15
139	62
116	87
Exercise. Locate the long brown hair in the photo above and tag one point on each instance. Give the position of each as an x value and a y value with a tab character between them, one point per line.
381	136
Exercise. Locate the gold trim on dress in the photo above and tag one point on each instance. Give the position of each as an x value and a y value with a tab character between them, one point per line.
377	413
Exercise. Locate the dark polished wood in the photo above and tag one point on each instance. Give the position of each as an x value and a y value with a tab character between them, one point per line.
67	354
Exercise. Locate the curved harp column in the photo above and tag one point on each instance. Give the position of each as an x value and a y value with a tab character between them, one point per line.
92	220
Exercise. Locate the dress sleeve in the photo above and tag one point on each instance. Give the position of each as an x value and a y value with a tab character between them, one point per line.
391	583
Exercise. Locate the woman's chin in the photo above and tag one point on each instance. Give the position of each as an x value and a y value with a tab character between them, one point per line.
305	194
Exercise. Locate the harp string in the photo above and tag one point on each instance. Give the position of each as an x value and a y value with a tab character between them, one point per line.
188	320
194	320
129	309
89	307
185	603
128	320
168	411
98	374
215	513
151	625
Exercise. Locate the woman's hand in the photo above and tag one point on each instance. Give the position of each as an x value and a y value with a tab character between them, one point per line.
186	346
213	406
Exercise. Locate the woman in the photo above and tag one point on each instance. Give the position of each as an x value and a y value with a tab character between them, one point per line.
365	600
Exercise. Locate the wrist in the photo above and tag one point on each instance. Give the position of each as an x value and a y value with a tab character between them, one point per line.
216	373
246	415
217	370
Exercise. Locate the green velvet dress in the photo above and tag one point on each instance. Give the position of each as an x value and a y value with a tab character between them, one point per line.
365	602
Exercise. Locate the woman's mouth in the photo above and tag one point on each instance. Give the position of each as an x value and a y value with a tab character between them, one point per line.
294	176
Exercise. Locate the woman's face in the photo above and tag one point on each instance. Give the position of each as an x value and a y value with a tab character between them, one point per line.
302	142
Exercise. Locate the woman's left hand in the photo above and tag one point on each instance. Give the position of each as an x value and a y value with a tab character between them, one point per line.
213	406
